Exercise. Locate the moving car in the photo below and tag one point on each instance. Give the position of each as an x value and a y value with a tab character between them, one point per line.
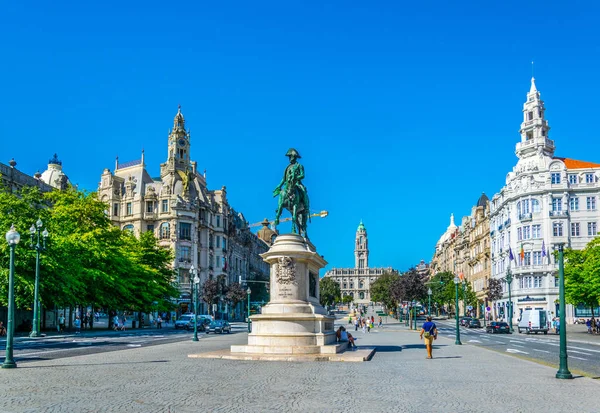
186	322
464	321
473	323
497	327
219	326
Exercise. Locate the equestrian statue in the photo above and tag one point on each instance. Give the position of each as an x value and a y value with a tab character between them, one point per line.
293	195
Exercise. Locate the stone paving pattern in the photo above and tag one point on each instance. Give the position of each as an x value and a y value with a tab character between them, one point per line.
398	379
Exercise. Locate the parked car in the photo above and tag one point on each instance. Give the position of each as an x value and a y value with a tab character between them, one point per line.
219	326
497	327
534	321
580	321
473	323
464	321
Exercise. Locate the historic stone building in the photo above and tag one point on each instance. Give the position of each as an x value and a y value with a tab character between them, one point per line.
13	179
356	281
198	224
546	200
465	250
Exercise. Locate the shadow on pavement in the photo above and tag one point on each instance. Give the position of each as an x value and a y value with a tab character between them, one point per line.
447	357
388	349
86	364
421	346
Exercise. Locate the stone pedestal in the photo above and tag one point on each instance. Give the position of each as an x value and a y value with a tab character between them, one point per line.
293	322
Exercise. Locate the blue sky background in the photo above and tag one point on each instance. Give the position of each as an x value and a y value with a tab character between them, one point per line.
403	112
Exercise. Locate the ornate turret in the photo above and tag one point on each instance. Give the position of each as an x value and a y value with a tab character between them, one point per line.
361	248
534	129
179	143
54	175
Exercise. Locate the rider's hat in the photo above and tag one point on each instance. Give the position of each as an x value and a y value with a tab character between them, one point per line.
293	152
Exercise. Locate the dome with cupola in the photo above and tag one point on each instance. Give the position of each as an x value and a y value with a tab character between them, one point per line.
54	175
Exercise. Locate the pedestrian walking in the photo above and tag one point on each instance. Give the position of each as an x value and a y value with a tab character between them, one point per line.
116	323
429	333
159	322
77	325
124	323
364	325
380	323
356	324
61	323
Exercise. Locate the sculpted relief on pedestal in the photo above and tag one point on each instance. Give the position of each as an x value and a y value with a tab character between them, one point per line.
285	271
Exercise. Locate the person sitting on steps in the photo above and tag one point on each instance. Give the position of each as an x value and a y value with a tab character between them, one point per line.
343	336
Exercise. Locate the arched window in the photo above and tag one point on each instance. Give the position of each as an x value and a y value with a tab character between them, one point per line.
165	231
352	295
361	295
128	228
361	285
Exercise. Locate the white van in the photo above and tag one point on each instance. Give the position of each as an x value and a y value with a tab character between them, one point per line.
534	321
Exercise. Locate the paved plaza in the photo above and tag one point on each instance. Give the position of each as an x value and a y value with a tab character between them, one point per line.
398	379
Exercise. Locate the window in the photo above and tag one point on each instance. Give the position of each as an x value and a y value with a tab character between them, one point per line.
529	136
351	285
591	202
556	281
537	281
525	206
556	204
164	230
525	282
555	176
574	204
224	243
165	205
592	229
150	228
218	218
149	206
535	205
185	231
218	241
589	178
128	228
537	258
361	285
530	115
361	263
527	232
574	229
527	258
519	208
536	231
184	253
129	208
557	229
345	286
573	179
116	209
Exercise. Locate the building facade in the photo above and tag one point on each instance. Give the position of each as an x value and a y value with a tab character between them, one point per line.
356	282
13	179
547	200
198	224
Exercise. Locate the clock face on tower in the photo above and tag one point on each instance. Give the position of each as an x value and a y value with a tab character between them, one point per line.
181	142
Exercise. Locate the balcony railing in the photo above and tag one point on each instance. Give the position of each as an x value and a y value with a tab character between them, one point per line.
507	223
525	217
559	214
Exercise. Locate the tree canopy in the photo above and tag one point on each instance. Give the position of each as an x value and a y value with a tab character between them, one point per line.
582	275
329	291
381	290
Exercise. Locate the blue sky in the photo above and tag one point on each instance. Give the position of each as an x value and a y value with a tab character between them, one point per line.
403	112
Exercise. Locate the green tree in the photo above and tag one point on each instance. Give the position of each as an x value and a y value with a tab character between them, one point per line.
582	280
494	289
347	299
329	291
381	290
235	294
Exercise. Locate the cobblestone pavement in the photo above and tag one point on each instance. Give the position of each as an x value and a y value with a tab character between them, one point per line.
398	379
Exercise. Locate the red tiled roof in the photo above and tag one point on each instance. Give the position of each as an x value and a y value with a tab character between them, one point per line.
575	164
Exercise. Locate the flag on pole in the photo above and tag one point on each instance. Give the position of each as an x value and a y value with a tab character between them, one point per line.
522	254
510	254
543	249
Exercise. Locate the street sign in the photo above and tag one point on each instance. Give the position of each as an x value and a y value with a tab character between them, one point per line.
488	309
469	307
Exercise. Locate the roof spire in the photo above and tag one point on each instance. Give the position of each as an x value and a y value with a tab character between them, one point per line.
533	88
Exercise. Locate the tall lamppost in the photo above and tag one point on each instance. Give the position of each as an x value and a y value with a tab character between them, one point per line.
464	284
429	292
37	229
509	279
456	282
249	292
13	238
414	303
563	370
195	286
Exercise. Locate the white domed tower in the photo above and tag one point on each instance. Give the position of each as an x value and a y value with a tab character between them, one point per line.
54	175
361	248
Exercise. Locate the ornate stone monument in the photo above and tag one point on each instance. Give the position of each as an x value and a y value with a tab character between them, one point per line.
293	322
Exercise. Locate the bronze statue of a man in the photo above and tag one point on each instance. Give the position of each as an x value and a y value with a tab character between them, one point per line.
293	195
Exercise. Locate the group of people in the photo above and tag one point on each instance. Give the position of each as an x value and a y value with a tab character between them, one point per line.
119	323
365	323
593	326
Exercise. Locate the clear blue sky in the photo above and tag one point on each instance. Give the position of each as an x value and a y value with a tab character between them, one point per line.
403	112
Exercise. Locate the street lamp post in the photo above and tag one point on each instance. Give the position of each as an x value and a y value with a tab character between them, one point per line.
195	286
464	283
563	370
13	238
37	229
509	279
415	313
456	282
429	292
249	292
